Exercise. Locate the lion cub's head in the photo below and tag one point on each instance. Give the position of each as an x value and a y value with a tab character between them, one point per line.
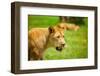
56	38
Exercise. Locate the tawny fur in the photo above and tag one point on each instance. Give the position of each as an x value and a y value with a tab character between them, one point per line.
37	42
68	26
39	39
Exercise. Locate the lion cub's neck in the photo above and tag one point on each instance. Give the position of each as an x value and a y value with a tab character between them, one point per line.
45	38
48	43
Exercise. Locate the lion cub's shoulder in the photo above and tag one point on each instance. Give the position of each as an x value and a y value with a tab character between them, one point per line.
38	32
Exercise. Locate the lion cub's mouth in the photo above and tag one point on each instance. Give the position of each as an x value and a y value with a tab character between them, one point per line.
59	48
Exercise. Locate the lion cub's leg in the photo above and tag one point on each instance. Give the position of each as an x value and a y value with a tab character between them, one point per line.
41	56
35	54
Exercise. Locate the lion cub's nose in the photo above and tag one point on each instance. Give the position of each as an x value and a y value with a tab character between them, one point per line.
63	45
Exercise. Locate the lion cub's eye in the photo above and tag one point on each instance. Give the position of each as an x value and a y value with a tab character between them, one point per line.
58	36
62	27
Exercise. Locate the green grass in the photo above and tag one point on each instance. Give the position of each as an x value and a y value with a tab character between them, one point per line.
41	21
77	41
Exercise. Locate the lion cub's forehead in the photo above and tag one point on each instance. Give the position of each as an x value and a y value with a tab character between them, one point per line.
59	33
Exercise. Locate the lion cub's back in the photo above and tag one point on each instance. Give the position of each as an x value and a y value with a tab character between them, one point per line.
37	32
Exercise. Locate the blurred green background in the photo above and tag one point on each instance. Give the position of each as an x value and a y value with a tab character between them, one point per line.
77	41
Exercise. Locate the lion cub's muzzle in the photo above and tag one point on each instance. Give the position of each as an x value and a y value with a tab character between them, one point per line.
60	47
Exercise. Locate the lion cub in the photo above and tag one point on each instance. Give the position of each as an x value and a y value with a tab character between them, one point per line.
39	39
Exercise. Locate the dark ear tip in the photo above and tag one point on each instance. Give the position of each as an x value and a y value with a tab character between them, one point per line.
51	30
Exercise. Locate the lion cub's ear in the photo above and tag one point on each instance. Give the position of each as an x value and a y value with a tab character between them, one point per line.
51	29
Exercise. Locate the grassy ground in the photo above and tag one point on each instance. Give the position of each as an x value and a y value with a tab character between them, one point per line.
76	41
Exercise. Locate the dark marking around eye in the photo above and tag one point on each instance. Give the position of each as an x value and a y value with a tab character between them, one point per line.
62	27
58	36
